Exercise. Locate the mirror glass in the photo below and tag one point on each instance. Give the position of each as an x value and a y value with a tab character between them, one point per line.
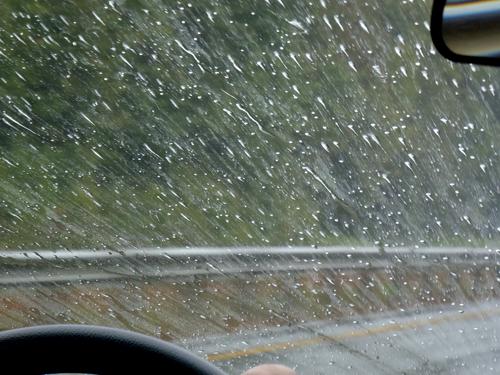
472	28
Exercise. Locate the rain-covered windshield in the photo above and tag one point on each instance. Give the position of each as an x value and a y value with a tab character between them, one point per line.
307	183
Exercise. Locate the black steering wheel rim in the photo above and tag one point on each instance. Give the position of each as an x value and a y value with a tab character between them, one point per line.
87	349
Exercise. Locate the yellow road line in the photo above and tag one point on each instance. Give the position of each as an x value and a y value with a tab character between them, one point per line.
365	332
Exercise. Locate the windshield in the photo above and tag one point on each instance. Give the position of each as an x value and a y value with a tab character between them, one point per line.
258	181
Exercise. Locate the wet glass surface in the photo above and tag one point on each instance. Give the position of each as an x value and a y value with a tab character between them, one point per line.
254	180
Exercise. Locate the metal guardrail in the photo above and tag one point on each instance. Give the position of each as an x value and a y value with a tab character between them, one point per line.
62	266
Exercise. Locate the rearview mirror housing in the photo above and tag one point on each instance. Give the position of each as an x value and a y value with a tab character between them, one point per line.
467	31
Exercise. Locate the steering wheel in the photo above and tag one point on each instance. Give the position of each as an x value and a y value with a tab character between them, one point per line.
55	349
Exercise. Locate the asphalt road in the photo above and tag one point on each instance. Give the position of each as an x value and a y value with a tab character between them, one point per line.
450	340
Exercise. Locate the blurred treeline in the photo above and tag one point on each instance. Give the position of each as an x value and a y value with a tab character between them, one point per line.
240	122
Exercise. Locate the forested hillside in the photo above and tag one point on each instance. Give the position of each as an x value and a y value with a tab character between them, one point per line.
249	122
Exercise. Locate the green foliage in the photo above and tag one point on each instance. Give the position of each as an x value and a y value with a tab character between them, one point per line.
156	123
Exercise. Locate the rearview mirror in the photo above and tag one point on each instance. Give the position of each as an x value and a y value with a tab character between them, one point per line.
467	31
